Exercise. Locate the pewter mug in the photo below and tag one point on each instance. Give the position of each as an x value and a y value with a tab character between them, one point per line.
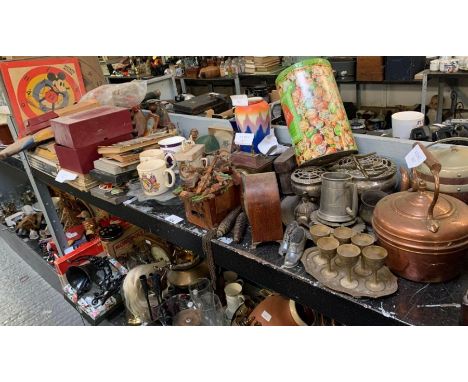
339	198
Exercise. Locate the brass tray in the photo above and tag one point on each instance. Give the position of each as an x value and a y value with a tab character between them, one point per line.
313	269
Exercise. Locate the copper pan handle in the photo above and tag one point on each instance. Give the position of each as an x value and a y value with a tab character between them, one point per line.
435	167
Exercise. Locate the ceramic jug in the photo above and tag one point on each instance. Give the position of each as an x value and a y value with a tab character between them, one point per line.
155	178
234	298
158	154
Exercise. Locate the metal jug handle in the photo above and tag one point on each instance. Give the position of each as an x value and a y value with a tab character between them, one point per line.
435	167
354	208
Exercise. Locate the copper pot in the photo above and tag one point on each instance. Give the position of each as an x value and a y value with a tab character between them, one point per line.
425	233
182	278
276	310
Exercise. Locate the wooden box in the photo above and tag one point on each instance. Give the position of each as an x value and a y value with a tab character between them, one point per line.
201	103
81	160
192	72
209	213
370	68
284	165
262	205
252	163
92	126
5	135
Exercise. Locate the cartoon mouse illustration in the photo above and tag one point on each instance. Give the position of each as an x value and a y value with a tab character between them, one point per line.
56	87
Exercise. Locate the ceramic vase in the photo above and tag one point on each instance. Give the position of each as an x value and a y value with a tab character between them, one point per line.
255	119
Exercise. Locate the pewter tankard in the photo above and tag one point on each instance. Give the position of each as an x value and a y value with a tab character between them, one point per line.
339	198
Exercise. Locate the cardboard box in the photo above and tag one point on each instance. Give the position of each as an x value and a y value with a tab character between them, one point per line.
92	126
91	71
97	312
123	244
370	68
93	248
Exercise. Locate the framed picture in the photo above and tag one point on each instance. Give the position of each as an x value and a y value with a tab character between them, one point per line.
37	86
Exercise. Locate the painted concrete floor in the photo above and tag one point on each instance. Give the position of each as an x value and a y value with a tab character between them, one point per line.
26	299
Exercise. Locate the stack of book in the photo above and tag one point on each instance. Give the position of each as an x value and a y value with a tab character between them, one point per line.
124	156
118	165
261	64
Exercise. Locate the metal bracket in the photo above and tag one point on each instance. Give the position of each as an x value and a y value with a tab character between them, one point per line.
237	84
424	92
44	199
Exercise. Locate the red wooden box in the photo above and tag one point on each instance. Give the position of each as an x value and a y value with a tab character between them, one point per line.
91	126
35	124
81	160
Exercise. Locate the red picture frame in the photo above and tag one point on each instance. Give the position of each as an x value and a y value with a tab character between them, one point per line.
37	86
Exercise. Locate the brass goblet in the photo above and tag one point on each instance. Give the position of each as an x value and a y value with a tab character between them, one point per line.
318	231
343	235
362	240
349	255
327	247
374	257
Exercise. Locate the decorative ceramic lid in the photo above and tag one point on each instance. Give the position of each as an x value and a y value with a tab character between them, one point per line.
454	161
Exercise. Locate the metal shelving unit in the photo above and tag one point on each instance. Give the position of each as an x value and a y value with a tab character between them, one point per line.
449	79
413	304
232	81
245	80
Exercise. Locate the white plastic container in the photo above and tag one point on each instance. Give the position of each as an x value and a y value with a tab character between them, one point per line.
404	121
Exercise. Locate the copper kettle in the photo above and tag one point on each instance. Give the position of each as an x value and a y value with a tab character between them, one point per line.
424	232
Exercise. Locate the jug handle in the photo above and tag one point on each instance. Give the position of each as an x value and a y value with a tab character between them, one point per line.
354	209
435	167
405	179
408	182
